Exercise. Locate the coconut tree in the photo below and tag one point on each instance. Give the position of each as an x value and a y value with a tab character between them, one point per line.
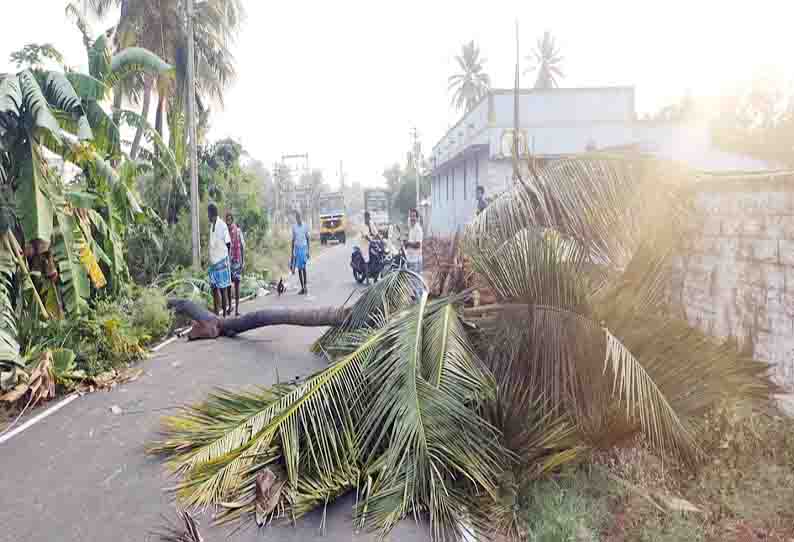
546	60
471	83
159	27
439	409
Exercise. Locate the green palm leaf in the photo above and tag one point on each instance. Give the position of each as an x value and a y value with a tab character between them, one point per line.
68	243
62	96
419	439
163	154
33	199
387	297
42	122
313	418
10	95
87	87
99	58
107	138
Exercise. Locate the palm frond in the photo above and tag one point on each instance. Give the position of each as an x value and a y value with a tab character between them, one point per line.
417	438
604	202
216	468
186	530
377	304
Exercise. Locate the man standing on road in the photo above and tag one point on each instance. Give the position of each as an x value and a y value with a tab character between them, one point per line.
300	251
482	203
413	246
219	272
237	259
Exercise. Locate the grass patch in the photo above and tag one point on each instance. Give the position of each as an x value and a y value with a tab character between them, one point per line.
744	491
573	507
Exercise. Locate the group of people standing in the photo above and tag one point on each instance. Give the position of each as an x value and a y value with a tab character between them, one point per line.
227	254
226	261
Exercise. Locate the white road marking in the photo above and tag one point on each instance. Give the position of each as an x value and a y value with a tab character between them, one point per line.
38	417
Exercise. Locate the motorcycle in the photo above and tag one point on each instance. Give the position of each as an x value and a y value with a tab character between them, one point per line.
380	261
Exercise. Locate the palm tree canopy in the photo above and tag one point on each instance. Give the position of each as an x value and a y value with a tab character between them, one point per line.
471	83
546	60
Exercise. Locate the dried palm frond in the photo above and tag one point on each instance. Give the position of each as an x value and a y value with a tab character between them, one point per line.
185	531
578	260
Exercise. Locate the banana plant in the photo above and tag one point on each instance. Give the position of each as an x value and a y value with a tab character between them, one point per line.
68	235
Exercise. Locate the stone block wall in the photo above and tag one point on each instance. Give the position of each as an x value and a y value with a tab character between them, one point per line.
734	275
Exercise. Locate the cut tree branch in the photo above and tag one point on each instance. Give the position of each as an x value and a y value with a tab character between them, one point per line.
208	326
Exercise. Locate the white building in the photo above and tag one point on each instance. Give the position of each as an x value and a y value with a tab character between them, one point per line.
477	151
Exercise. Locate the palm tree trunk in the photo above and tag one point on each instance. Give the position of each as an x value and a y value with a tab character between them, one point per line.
208	326
147	100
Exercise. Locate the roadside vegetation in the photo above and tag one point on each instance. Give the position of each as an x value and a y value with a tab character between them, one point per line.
94	229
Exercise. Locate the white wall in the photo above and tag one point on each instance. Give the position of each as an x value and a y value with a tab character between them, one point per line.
451	212
565	138
565	105
691	143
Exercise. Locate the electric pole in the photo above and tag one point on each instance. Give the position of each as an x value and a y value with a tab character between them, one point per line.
191	123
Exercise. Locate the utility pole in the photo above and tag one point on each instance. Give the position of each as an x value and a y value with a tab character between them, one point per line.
191	122
416	152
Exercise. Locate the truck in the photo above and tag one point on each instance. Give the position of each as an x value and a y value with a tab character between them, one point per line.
333	217
377	203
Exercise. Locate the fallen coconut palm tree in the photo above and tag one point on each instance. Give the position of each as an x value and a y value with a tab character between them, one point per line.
207	325
437	409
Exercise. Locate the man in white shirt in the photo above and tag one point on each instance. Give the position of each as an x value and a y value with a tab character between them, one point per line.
413	246
220	276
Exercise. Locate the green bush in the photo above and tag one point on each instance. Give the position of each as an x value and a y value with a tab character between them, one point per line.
110	335
151	318
107	339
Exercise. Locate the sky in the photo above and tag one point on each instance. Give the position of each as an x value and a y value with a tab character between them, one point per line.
347	80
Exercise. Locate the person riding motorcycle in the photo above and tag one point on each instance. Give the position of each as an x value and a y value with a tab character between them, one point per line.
369	233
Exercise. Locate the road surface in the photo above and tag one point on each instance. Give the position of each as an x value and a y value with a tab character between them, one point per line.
81	475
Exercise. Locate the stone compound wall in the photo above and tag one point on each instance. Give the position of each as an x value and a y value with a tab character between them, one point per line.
734	276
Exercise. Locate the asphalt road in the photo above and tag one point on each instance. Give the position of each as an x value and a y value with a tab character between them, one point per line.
81	475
